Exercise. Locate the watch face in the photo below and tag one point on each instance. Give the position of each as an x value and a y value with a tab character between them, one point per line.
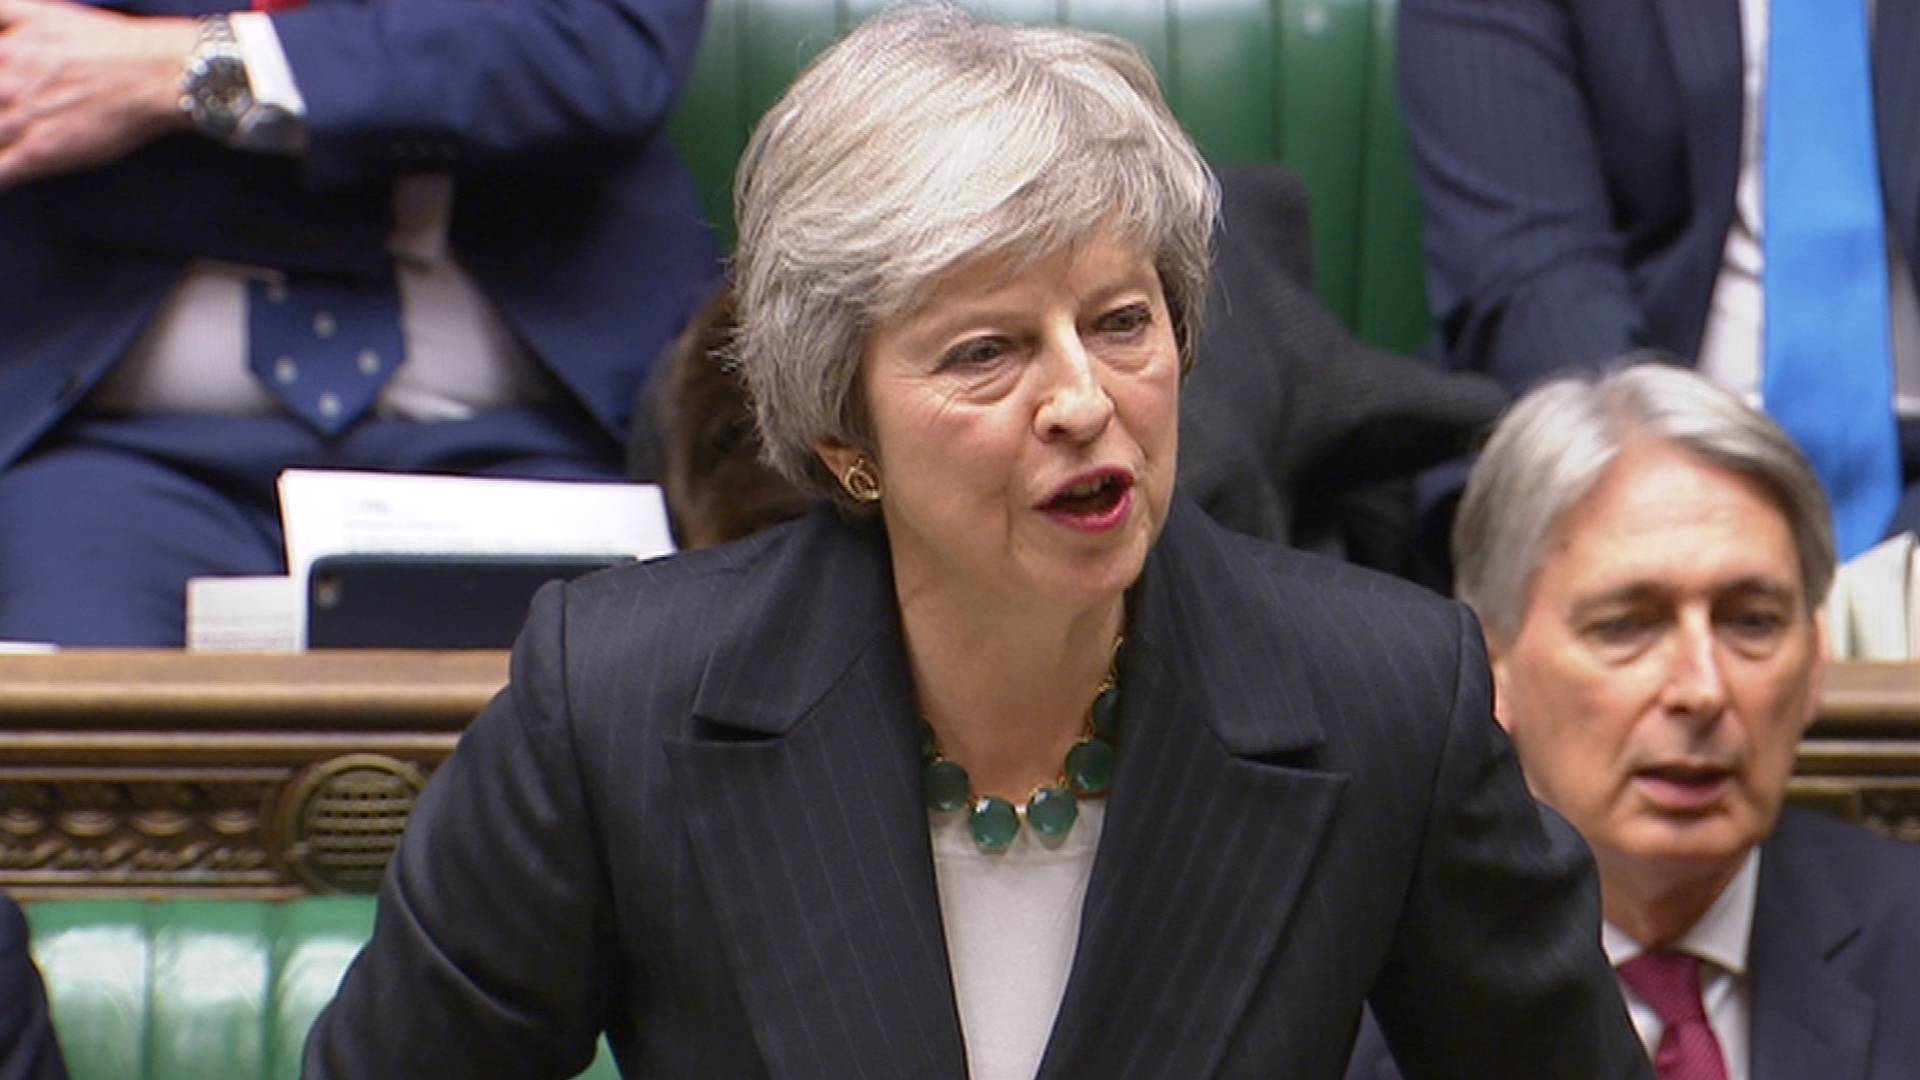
219	94
230	98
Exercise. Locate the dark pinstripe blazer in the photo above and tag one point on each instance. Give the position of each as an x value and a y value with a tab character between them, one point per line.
1834	963
694	819
1577	161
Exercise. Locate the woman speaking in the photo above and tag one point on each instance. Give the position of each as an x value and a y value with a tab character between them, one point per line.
1003	762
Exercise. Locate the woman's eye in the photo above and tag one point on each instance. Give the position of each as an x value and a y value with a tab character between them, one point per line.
975	352
1127	320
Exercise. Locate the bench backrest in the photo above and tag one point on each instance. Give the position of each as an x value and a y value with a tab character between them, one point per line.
1307	82
197	989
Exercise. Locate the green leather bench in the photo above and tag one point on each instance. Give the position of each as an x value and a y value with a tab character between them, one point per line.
225	989
197	989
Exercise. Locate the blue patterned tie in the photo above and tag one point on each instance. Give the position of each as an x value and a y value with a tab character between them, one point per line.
324	346
1829	361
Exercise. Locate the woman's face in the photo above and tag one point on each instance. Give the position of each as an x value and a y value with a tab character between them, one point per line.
1025	425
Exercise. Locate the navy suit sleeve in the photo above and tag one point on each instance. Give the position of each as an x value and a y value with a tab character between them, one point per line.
1526	272
28	1049
491	946
1496	968
442	85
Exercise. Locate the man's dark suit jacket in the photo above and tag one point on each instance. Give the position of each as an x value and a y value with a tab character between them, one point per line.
1833	963
1577	162
28	1049
1288	423
694	818
571	210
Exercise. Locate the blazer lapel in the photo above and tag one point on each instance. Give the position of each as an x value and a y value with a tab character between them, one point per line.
1704	39
1896	84
1215	817
801	793
1808	1018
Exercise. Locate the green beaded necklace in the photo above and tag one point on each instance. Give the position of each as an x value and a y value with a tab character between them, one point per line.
1052	808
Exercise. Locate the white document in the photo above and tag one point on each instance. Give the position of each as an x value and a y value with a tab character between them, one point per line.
246	614
333	513
22	648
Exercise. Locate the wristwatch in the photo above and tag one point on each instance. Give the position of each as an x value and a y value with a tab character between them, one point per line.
214	90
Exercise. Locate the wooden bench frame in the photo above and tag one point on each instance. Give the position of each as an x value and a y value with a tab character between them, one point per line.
159	773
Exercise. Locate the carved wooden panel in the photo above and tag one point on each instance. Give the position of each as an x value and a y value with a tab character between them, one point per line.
131	828
160	773
163	773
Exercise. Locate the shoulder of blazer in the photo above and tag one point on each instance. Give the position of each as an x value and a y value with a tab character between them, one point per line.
1307	588
1336	652
1826	862
749	633
677	578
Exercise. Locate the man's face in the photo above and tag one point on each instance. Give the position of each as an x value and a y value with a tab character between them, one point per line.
1665	666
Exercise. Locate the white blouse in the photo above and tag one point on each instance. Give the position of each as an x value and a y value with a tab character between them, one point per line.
1012	921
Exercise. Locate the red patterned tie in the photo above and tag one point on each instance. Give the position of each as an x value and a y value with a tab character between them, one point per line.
1669	982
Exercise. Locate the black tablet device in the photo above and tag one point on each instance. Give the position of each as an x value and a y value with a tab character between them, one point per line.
430	601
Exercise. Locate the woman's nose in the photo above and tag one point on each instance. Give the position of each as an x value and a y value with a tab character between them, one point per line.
1075	405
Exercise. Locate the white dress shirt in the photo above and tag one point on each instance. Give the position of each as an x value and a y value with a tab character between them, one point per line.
1720	940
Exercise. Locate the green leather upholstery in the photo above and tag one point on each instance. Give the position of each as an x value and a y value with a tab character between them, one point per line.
197	989
1308	82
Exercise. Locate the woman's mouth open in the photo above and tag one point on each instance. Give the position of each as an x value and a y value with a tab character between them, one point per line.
1094	502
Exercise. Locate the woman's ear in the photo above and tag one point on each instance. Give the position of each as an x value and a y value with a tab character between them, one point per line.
837	456
1502	695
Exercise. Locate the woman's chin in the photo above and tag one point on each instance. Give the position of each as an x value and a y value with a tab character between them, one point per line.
1078	574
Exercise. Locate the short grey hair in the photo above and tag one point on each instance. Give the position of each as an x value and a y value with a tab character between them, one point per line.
1556	443
924	139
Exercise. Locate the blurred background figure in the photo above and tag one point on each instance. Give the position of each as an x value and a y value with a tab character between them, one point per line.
1735	182
423	236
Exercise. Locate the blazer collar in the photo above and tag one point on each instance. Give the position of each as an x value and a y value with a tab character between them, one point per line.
801	790
1217	812
1204	613
808	609
818	597
1808	1018
800	787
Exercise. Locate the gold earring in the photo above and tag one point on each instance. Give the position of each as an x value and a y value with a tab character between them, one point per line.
860	481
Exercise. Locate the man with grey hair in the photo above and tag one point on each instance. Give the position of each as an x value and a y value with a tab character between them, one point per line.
1648	557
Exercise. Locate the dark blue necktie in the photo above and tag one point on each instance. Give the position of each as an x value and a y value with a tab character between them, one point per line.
324	346
1828	357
